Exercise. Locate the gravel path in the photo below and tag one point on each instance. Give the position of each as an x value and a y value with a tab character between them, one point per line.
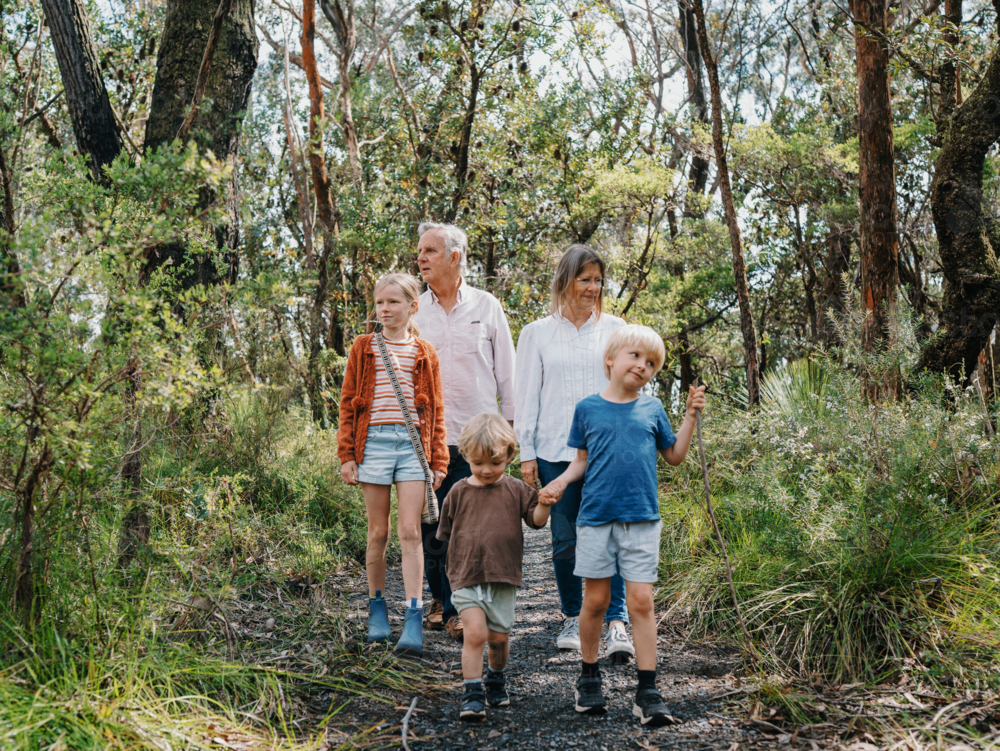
540	679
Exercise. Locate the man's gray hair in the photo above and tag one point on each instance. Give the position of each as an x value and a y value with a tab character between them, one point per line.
455	241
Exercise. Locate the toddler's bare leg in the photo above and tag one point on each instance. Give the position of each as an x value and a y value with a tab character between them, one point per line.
639	598
499	649
474	639
596	598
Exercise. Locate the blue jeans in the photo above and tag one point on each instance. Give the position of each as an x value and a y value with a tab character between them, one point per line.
435	550
563	521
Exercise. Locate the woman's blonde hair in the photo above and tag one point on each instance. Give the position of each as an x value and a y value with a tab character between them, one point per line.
487	435
409	285
571	264
640	337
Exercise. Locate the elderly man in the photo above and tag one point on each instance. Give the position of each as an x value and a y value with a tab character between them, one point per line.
469	330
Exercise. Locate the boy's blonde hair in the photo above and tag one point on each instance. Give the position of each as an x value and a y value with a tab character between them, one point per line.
487	435
409	285
634	335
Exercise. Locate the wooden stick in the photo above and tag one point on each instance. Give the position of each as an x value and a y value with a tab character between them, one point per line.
406	722
722	544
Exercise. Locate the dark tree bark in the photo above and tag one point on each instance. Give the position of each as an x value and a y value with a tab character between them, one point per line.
216	125
948	73
968	234
94	123
836	264
877	180
698	171
187	68
739	264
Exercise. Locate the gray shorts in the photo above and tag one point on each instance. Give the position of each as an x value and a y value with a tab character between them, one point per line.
634	546
496	600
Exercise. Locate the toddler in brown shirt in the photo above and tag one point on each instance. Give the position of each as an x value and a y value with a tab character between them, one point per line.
481	518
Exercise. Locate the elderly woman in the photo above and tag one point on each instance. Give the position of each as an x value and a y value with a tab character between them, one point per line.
560	360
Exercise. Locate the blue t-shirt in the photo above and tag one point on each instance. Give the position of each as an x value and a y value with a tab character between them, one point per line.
621	441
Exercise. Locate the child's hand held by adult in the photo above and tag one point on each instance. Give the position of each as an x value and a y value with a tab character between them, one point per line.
349	472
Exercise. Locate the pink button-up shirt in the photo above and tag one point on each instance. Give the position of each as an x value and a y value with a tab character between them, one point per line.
476	351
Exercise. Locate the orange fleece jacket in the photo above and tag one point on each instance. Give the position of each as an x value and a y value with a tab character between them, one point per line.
359	390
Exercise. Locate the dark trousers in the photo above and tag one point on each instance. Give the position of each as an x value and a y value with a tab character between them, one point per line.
563	523
435	550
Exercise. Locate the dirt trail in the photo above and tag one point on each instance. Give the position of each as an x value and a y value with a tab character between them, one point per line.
541	677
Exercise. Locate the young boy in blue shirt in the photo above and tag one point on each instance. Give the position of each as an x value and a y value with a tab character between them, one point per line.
617	434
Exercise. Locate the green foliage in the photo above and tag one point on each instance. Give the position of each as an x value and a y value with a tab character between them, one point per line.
863	537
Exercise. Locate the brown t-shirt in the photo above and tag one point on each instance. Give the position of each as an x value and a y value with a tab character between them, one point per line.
483	526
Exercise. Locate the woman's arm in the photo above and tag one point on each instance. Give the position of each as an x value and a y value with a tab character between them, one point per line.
527	401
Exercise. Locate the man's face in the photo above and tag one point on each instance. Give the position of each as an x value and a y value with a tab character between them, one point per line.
436	264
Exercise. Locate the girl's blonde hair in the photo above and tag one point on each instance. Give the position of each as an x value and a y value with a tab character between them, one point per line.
571	264
409	285
640	337
487	435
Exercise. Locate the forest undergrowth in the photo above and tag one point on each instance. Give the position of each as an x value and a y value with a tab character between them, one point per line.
863	537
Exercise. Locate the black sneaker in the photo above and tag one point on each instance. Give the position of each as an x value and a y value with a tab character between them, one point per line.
496	690
589	696
651	710
473	706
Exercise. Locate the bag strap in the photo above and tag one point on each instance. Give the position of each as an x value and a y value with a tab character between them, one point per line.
430	511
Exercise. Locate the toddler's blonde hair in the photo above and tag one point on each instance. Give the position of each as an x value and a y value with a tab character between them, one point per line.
487	435
409	285
640	337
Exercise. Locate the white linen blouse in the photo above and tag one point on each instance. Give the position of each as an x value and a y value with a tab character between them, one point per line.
557	366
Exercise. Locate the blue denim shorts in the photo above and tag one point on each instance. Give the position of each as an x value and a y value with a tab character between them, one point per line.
389	457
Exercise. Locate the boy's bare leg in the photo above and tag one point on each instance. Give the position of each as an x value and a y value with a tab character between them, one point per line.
596	598
499	649
377	510
475	638
411	505
639	599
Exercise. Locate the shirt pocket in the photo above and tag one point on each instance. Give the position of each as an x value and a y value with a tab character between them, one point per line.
472	338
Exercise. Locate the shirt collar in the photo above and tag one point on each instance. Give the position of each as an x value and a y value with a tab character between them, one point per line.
560	317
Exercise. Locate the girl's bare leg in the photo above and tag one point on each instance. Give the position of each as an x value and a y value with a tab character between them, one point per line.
411	504
377	508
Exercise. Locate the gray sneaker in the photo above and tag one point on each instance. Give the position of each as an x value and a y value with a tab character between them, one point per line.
569	637
617	646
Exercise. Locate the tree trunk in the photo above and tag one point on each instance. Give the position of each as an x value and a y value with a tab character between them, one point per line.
877	182
342	18
968	235
722	165
948	73
838	260
698	171
327	210
135	530
94	123
216	126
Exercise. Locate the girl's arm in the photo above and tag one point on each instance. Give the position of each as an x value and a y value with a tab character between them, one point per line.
439	436
348	412
577	468
676	453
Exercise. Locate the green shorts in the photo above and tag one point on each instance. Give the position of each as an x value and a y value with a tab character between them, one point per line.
496	600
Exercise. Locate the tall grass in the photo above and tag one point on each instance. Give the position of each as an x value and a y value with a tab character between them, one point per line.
249	516
864	536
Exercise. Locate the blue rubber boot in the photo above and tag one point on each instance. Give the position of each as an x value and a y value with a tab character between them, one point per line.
378	619
411	641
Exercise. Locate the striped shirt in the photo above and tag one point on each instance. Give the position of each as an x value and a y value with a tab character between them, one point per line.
385	406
